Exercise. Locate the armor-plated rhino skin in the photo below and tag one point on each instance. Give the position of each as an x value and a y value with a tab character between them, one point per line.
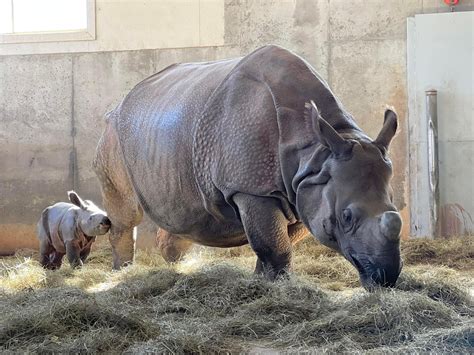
249	150
70	228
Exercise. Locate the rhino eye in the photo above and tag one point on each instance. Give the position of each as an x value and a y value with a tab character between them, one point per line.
347	216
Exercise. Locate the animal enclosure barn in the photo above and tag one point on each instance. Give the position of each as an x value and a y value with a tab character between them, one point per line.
236	176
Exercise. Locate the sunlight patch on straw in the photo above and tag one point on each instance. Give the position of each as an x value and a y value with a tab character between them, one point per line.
101	287
190	263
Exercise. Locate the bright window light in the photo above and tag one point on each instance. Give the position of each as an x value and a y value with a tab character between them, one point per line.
6	18
26	16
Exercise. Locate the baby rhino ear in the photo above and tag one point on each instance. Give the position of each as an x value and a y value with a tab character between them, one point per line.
75	199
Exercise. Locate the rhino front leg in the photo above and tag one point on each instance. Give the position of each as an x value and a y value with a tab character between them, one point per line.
266	228
85	253
56	260
296	232
73	253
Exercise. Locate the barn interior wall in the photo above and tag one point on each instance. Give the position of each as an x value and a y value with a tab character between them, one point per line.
52	105
144	24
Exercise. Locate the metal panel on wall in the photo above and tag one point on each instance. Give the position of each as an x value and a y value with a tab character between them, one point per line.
440	57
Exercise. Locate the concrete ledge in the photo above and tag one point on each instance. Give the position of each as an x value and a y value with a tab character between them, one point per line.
17	236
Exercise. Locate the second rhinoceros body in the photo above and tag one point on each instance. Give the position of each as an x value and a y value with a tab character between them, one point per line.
249	150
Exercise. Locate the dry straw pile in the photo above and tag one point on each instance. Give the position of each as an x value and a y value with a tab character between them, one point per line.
212	303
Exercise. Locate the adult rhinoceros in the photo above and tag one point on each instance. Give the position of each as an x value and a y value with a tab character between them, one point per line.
231	152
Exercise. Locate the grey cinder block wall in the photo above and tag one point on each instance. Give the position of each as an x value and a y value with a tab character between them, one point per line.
52	105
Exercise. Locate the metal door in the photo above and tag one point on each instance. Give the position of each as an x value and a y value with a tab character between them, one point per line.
440	57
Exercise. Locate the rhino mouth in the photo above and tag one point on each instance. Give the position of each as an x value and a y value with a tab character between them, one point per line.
105	224
104	228
376	280
372	277
357	264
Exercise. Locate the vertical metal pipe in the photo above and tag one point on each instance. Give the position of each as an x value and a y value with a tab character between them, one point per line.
73	163
433	169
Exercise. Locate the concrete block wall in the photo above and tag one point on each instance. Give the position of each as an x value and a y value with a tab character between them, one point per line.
144	24
52	105
51	117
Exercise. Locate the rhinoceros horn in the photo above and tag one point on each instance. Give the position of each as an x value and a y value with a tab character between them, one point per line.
327	135
391	225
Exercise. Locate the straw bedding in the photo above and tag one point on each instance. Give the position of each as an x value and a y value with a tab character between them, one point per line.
212	303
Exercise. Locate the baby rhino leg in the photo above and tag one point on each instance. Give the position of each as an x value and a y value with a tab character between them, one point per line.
46	250
85	253
56	259
73	254
172	247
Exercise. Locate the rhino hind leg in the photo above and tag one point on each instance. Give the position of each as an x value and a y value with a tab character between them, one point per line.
172	247
46	250
118	196
266	228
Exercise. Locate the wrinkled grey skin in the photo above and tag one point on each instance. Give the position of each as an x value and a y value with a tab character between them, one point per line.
232	152
70	228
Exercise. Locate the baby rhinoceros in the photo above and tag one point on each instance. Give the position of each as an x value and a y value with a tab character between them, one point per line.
70	228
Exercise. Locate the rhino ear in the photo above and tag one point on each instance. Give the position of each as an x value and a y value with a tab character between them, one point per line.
75	199
327	135
390	125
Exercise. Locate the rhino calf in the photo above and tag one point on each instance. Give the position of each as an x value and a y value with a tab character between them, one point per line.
70	228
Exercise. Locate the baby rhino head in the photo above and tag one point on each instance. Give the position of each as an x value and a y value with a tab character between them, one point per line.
90	218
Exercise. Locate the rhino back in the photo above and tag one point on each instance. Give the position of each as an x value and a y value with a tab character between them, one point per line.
155	124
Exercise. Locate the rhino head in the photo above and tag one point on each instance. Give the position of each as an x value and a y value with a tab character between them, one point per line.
90	218
357	216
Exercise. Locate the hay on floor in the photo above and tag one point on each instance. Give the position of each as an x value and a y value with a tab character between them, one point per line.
212	302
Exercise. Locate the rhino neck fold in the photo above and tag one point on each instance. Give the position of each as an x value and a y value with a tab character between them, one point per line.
292	82
300	158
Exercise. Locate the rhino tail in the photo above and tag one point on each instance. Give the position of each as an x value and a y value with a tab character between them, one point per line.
43	225
111	115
